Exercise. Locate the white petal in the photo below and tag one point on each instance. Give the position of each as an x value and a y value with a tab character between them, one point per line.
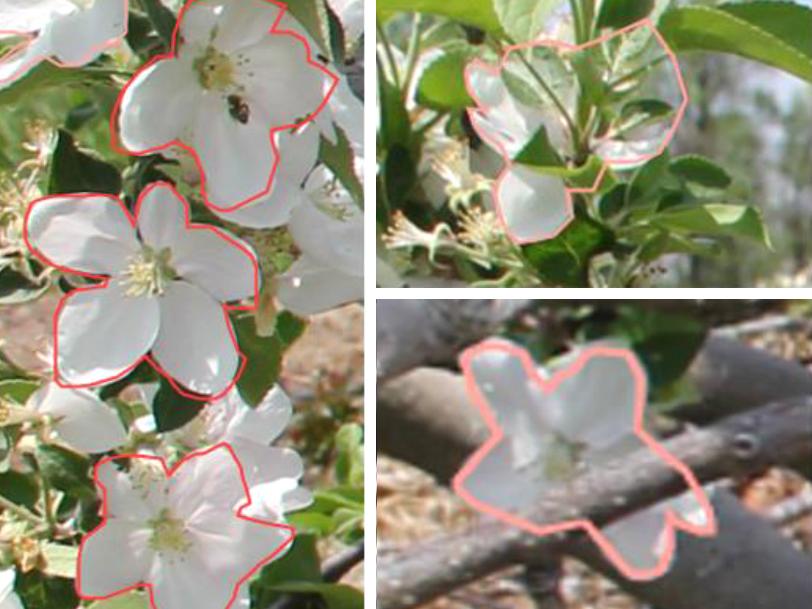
335	242
237	159
80	37
82	419
596	405
31	15
351	15
282	88
90	233
188	583
298	152
272	500
515	400
137	495
102	332
9	598
194	345
162	216
113	558
210	481
262	463
639	537
347	111
221	264
158	105
245	23
264	423
534	206
309	287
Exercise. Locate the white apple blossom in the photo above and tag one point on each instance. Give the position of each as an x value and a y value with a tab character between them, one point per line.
233	80
70	33
351	15
8	597
272	473
329	230
550	436
78	418
165	286
181	533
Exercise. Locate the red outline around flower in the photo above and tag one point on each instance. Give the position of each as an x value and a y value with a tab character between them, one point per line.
169	472
28	38
104	282
171	55
569	192
672	520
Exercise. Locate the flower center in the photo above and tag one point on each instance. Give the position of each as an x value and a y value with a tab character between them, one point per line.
215	70
168	534
148	273
564	459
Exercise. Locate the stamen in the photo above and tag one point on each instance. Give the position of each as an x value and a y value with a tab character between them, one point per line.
149	272
168	534
215	70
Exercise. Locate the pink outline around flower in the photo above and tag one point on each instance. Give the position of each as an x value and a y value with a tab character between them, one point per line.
133	218
672	521
169	472
481	109
171	56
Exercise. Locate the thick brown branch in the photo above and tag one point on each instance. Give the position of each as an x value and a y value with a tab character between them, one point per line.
778	434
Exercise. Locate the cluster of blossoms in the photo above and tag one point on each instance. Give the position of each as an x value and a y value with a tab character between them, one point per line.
549	426
245	104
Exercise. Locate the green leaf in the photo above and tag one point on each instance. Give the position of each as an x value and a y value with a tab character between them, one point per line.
539	152
173	410
564	260
699	170
619	13
301	563
335	596
19	488
75	171
264	353
18	390
60	560
641	112
773	33
442	83
396	126
339	159
66	470
47	76
350	455
16	288
716	220
523	20
133	600
478	13
648	181
399	174
163	20
312	14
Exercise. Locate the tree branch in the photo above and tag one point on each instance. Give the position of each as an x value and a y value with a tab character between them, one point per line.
777	434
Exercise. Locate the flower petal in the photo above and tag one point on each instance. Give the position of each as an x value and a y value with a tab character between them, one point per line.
32	15
639	538
114	557
534	206
102	332
309	287
596	405
86	233
82	419
237	158
194	345
208	480
245	23
264	423
81	36
200	255
515	400
333	241
282	88
158	105
135	495
298	152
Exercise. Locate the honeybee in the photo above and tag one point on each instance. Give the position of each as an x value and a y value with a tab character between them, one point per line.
238	109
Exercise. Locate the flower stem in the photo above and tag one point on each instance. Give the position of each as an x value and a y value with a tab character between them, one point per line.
390	57
412	54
